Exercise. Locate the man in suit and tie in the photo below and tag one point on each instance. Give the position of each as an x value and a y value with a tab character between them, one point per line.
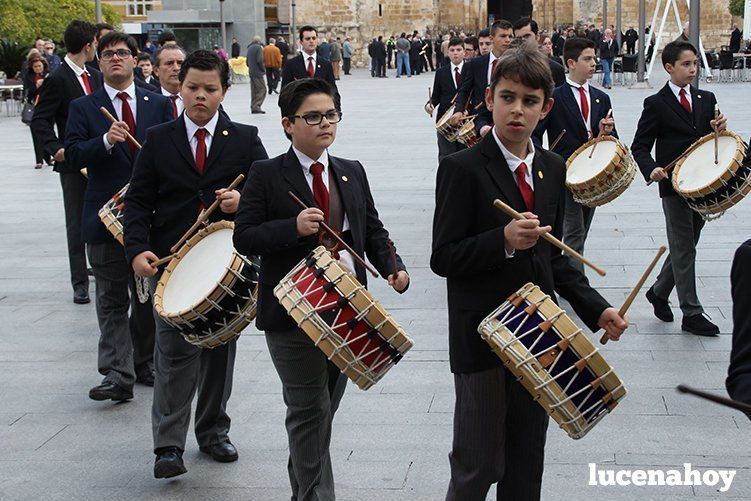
499	429
448	78
738	382
271	225
673	119
582	110
126	344
307	64
526	28
167	63
184	166
70	81
101	30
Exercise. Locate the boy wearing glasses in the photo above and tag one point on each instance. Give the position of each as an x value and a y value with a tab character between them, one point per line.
270	224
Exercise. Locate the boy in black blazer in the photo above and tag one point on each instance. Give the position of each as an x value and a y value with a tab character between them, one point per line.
582	110
499	430
271	225
184	166
738	382
671	121
307	64
448	79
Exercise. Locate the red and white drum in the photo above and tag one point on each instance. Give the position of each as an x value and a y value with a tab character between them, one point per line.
342	318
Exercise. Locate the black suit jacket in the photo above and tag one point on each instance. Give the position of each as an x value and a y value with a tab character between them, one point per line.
108	171
266	225
566	115
295	69
58	90
738	382
444	89
468	246
474	80
735	41
166	190
665	125
559	74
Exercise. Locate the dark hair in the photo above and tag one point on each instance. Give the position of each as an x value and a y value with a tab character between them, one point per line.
293	95
77	34
144	56
307	28
205	60
484	33
115	37
456	41
573	48
33	59
101	27
501	24
164	37
526	21
672	51
472	41
527	65
158	53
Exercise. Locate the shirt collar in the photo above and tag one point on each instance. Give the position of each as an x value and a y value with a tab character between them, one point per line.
305	57
112	92
306	161
585	85
512	160
191	127
167	93
676	90
76	69
454	66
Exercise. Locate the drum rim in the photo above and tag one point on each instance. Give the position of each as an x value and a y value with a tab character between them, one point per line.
216	292
717	183
621	152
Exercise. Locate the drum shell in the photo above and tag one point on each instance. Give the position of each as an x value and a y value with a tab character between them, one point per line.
111	215
444	128
609	183
467	134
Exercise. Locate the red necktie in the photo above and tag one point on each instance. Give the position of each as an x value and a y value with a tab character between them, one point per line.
584	105
173	97
200	150
684	101
311	69
320	193
521	180
127	117
86	83
457	77
492	70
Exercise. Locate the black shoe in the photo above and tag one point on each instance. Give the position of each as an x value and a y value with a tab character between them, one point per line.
699	325
661	306
81	297
110	391
223	452
169	463
145	376
258	111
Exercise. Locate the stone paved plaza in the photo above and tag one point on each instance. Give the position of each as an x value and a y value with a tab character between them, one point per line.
391	442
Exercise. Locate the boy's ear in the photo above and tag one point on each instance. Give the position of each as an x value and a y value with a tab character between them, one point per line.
287	125
546	107
489	98
669	67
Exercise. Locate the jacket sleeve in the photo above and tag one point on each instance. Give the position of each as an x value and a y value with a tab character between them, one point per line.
738	382
287	73
644	139
140	200
83	146
435	98
43	122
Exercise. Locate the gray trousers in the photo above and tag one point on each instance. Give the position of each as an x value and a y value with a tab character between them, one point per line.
180	370
312	388
257	93
446	147
126	342
499	437
683	227
576	224
74	188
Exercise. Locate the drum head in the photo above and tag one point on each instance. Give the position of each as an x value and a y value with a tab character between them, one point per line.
582	168
198	272
698	169
446	117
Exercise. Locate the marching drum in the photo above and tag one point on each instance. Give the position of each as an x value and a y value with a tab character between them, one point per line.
602	178
112	213
467	134
553	359
445	128
208	291
711	189
342	318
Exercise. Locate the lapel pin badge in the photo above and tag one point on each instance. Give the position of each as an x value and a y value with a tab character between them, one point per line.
225	133
145	98
699	96
597	100
539	174
345	179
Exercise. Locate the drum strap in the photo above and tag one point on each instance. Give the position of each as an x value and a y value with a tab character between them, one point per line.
336	208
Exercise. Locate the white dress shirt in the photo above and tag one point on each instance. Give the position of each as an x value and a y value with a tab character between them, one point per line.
306	57
178	101
677	92
305	161
490	67
78	71
454	67
191	129
575	89
117	103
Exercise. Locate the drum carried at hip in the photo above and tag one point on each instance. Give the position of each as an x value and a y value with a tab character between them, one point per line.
600	171
553	359
342	318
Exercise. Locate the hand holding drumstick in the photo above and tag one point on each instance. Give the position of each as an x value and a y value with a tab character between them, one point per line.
398	279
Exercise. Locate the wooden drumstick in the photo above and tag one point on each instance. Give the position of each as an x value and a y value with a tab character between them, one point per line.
716	133
550	238
336	237
599	136
637	288
394	265
728	402
203	217
670	166
557	140
166	259
113	119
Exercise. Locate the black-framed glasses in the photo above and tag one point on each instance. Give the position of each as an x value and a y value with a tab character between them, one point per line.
315	118
120	53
